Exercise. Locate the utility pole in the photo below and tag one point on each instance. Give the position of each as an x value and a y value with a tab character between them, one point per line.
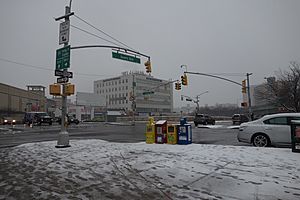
63	136
248	94
133	100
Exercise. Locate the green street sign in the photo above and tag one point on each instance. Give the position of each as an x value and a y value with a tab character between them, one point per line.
126	57
63	57
151	92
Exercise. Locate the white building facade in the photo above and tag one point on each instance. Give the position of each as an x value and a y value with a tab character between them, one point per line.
125	92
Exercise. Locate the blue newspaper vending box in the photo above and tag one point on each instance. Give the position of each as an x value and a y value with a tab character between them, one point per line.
184	132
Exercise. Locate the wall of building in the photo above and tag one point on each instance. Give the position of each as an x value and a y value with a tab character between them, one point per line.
119	91
16	101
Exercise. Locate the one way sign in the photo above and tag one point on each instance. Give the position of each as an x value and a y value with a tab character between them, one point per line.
62	80
64	74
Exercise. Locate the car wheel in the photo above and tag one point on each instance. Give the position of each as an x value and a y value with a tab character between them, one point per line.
196	124
50	123
260	140
213	123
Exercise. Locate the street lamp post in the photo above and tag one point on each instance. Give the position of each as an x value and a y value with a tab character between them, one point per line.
195	100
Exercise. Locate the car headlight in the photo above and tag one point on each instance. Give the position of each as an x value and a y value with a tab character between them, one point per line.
5	121
14	121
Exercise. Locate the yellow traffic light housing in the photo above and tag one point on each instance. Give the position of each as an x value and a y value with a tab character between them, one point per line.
244	87
184	80
55	89
148	66
177	86
69	89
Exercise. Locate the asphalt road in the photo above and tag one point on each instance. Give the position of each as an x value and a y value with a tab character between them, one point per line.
12	136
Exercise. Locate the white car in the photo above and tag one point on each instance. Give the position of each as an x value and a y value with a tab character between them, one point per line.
270	130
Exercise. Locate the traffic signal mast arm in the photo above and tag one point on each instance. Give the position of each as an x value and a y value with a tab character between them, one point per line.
129	51
214	76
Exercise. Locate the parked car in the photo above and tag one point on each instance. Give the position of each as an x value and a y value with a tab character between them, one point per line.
71	120
8	121
38	118
204	119
239	118
270	130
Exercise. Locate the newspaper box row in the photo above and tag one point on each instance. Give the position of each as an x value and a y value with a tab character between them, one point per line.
162	132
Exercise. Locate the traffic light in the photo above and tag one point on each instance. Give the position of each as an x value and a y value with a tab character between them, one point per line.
148	66
177	86
69	89
244	88
184	80
55	89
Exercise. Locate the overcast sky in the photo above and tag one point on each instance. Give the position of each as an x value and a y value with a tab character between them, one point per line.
209	36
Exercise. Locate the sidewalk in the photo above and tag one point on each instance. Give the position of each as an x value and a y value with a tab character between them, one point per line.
95	169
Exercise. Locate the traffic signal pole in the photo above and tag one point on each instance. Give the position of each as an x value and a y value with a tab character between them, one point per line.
63	136
249	97
226	79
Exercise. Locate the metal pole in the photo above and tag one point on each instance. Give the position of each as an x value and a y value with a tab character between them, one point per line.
133	101
63	136
197	102
249	97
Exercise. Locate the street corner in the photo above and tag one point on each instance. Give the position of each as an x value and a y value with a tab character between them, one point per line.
96	169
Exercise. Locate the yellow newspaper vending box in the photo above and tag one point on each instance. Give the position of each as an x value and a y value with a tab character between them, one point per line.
150	131
172	134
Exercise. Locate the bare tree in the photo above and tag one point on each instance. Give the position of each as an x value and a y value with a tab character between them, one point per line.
285	91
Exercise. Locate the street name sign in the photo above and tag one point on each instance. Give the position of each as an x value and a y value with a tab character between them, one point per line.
63	73
63	57
129	58
62	80
64	31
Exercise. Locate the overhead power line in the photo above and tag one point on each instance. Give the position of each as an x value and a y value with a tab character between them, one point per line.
76	27
103	32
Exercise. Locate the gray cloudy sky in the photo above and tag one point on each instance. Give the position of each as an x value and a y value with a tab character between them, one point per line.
209	36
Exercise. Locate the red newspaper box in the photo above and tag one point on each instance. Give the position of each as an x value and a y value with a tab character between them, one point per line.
161	131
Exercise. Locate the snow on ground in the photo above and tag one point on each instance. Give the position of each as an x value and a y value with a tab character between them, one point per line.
218	126
95	169
210	126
